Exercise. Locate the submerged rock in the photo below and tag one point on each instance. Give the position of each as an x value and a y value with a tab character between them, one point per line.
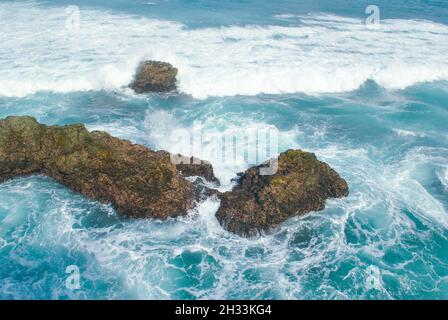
261	202
154	76
138	181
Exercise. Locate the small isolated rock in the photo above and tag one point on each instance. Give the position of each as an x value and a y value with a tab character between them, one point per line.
154	76
261	202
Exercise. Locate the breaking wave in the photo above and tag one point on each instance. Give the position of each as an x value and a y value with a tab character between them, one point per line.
316	54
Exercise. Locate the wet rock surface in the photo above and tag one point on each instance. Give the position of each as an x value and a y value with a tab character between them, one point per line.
259	202
139	182
154	76
195	167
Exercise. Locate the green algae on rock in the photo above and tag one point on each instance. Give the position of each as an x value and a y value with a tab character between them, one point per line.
261	202
139	182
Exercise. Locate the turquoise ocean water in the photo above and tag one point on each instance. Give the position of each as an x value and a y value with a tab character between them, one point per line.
373	103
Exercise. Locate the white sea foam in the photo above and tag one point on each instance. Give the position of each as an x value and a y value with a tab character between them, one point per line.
154	259
160	124
443	177
400	184
323	53
408	133
145	258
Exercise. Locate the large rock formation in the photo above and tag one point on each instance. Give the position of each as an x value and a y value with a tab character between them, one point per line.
154	76
139	182
261	202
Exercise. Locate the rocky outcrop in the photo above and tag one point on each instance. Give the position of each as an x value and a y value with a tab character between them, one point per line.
202	169
141	183
193	167
154	76
138	181
261	202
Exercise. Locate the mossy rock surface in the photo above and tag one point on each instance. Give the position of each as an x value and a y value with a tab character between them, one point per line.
154	76
260	203
138	181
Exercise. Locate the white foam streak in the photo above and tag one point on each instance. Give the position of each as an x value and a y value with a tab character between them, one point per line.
322	54
443	177
408	133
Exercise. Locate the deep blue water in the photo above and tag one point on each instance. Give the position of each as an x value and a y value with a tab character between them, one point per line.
373	103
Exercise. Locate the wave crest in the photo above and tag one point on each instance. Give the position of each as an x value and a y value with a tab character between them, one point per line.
317	54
